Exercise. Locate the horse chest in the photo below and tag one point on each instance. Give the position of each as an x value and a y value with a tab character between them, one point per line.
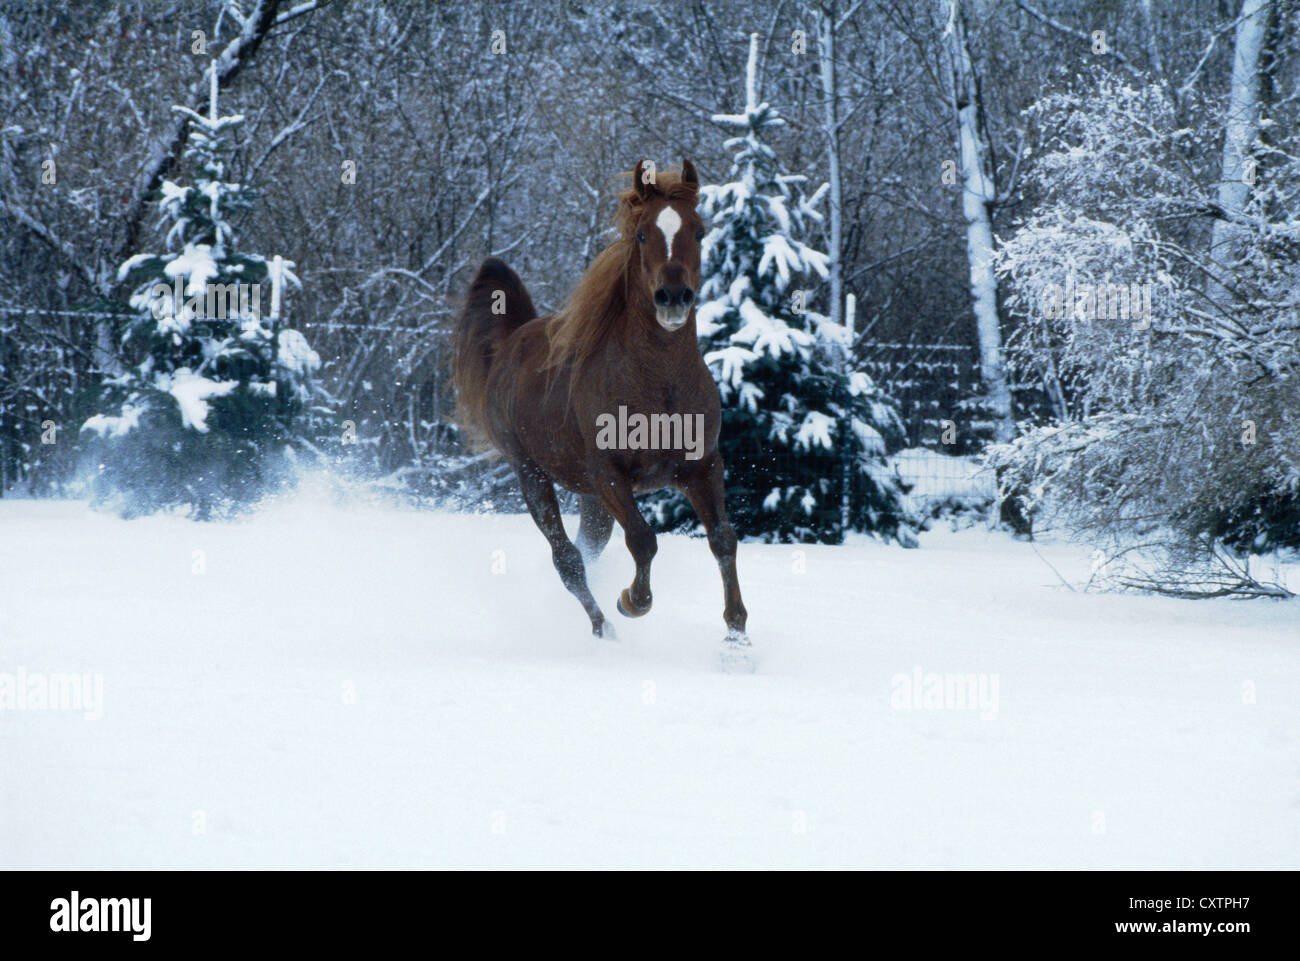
651	391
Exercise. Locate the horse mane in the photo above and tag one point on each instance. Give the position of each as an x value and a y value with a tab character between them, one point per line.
603	293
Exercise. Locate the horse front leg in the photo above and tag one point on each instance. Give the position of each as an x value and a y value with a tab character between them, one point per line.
705	489
617	497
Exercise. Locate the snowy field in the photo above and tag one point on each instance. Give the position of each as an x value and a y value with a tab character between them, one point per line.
322	686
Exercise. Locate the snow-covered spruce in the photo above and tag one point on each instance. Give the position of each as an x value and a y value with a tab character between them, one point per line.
804	436
217	390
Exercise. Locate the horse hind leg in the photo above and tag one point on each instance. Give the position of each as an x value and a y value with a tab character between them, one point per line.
539	495
594	529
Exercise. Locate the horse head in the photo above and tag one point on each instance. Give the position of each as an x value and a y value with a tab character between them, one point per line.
668	232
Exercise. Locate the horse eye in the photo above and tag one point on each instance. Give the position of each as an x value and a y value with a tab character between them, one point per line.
640	236
699	234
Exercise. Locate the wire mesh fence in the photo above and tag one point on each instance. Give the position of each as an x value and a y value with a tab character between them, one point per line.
937	389
45	367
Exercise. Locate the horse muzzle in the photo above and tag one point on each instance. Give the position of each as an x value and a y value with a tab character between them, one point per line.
672	319
673	305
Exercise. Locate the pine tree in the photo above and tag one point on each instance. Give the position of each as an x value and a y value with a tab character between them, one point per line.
217	392
804	436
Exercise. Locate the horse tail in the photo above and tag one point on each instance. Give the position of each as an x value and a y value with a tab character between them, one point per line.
496	305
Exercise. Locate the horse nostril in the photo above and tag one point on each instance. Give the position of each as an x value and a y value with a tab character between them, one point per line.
662	297
687	296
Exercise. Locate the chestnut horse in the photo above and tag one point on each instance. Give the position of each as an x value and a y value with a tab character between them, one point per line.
545	390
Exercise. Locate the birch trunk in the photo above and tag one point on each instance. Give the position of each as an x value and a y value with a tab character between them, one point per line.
1241	128
830	90
978	196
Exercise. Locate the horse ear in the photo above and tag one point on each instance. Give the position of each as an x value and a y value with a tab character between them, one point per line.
689	176
639	177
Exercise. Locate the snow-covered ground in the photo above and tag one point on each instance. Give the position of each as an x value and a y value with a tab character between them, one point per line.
325	686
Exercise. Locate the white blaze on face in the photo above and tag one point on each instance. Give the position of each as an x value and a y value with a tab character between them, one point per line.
669	222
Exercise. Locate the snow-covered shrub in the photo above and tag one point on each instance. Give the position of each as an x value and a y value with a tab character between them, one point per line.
218	392
804	436
1175	376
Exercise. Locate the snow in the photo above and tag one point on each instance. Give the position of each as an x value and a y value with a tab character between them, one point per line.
196	265
764	334
708	315
778	252
191	392
352	686
731	119
296	355
278	272
817	430
729	365
114	426
131	263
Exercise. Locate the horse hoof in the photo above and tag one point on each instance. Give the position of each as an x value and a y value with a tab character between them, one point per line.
628	609
738	654
604	630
